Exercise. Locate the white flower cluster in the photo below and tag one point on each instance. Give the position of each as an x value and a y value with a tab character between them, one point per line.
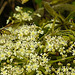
65	71
22	53
24	16
20	16
22	40
21	45
56	43
72	48
11	70
36	62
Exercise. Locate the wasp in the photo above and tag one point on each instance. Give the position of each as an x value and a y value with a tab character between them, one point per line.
4	31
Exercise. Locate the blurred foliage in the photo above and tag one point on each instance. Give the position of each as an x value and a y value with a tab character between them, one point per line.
73	3
7	8
39	2
24	1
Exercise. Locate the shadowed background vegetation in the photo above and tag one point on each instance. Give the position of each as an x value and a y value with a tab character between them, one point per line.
7	7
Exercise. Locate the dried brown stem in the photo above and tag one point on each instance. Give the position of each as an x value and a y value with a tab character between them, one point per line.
1	2
1	10
34	4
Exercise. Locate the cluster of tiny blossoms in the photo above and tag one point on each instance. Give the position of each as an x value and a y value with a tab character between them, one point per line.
58	44
20	15
20	51
65	70
21	45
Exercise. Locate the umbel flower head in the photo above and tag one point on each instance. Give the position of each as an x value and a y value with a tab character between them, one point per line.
20	15
23	53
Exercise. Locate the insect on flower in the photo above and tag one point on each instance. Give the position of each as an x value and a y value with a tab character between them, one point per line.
4	31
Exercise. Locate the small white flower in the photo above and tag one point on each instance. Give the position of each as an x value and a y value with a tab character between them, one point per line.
39	73
37	14
49	25
40	31
19	9
29	67
35	66
2	56
49	47
73	52
47	67
7	21
9	53
45	60
26	32
33	33
2	40
4	72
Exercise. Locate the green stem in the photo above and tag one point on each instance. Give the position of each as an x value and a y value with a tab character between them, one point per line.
54	24
25	59
51	62
45	34
68	17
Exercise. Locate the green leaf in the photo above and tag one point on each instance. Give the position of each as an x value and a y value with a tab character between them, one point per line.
31	73
27	9
71	15
36	18
65	7
38	1
52	12
41	69
49	9
53	2
58	57
73	3
72	37
66	38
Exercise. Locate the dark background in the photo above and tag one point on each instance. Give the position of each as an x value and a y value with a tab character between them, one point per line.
10	5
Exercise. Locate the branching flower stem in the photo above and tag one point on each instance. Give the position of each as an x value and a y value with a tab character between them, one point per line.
51	62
